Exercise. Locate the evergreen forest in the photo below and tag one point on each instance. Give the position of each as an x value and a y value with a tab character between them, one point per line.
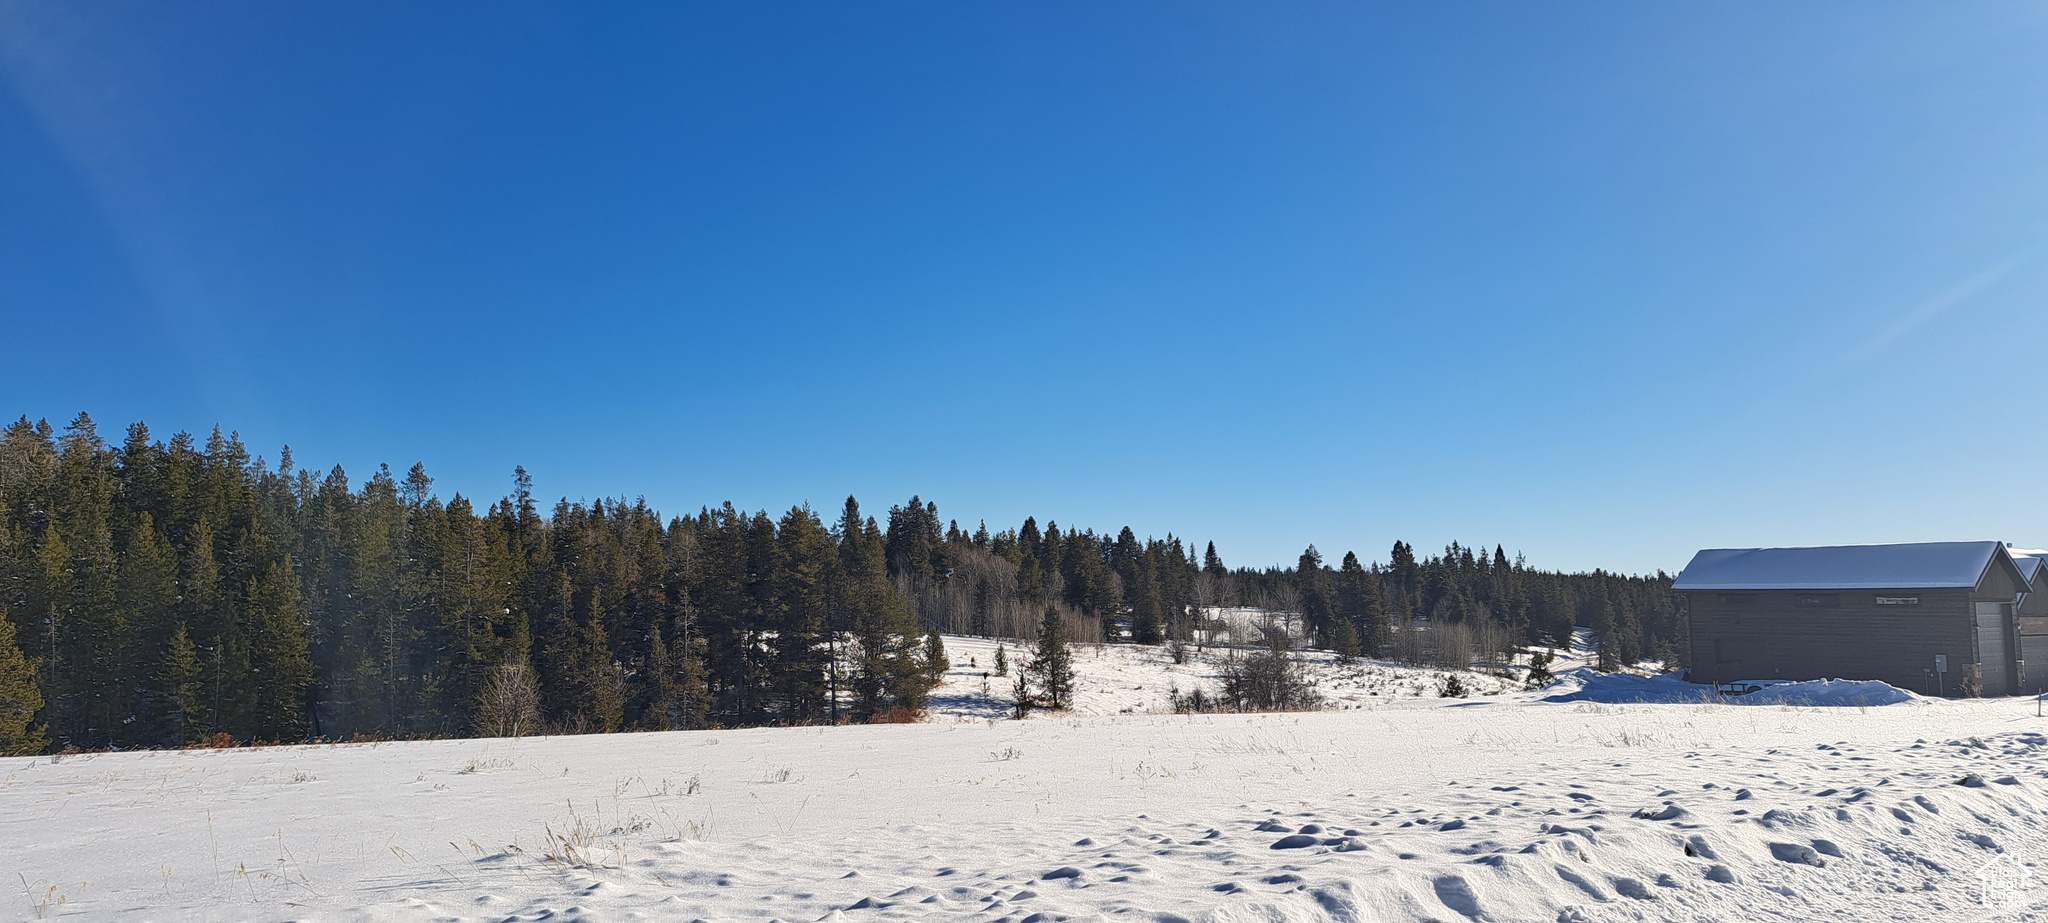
160	593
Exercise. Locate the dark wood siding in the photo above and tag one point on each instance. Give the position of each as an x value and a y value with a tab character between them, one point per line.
2036	605
1782	634
2032	625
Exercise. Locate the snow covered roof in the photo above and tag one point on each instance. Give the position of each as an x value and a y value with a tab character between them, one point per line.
2029	561
1844	567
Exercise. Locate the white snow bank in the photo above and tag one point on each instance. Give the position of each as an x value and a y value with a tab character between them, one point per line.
1415	808
1670	688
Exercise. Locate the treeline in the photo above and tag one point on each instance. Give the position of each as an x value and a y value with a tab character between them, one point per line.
1465	606
163	592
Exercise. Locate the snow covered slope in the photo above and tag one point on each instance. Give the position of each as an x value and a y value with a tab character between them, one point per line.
1124	679
1499	808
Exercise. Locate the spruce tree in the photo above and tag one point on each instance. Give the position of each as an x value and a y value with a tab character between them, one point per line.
888	673
179	704
51	603
280	664
1145	610
1020	697
935	661
805	561
1342	640
1052	663
656	688
1606	641
1312	579
20	700
149	596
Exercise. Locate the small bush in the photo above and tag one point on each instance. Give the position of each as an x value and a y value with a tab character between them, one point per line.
1196	702
1021	704
509	704
1269	681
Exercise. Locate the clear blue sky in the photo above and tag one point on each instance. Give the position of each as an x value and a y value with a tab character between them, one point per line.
1603	283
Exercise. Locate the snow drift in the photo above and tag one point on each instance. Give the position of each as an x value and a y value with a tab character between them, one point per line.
1588	685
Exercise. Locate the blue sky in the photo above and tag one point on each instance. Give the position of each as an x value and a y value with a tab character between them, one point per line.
1603	283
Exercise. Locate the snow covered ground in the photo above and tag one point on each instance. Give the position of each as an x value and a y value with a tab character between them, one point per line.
1124	679
1401	807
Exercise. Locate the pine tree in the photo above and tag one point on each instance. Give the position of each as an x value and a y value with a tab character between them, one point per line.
280	664
96	638
1341	638
20	700
1002	661
179	713
1052	663
935	662
149	596
1362	603
1020	697
805	560
50	602
887	672
654	704
1318	602
202	606
1605	640
1145	609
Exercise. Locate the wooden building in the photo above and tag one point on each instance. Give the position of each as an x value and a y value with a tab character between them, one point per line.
2033	619
1933	617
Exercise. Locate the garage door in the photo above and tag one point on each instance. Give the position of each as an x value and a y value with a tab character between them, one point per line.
2034	650
1991	648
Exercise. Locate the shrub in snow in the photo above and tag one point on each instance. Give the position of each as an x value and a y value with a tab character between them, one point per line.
1268	681
1192	703
509	705
1021	704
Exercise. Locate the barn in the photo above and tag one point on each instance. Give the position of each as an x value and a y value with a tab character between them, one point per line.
1934	617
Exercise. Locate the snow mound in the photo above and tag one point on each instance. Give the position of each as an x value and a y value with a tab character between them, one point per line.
1588	685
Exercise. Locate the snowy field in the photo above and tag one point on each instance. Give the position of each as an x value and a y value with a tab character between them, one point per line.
1397	807
1125	679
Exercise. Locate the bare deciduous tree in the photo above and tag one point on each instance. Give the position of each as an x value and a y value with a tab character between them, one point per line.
509	705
